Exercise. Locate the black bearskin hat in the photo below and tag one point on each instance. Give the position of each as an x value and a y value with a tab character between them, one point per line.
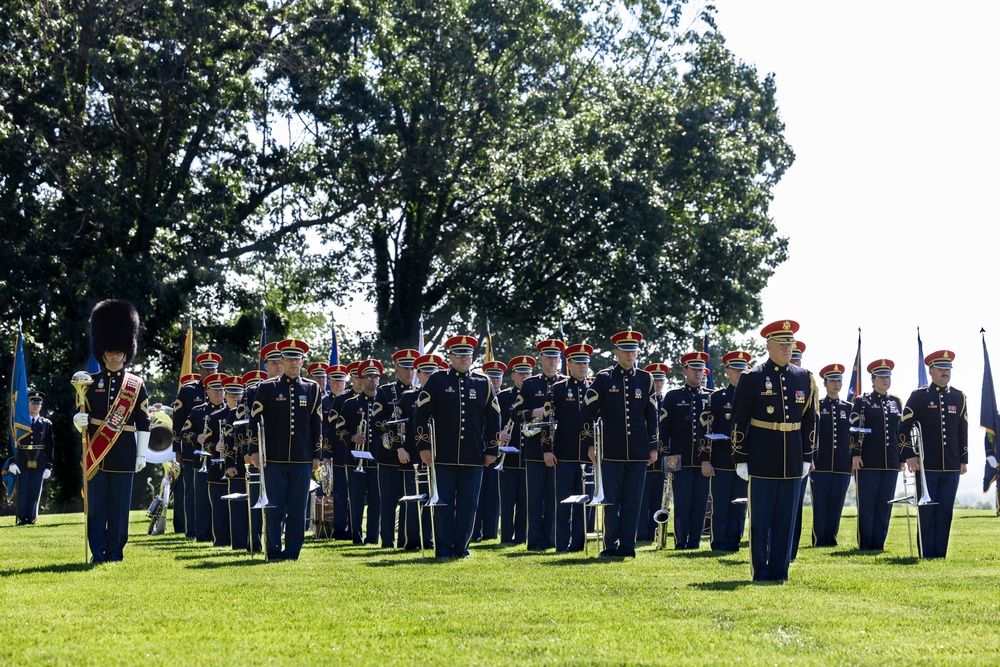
114	327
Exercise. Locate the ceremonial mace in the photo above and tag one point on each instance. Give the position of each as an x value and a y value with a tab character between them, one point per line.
81	381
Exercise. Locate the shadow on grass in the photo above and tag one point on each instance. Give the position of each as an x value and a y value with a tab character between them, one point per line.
214	554
850	553
214	565
695	553
727	585
49	569
901	560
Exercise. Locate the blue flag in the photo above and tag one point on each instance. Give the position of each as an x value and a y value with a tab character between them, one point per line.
710	380
854	389
988	416
334	349
921	368
19	421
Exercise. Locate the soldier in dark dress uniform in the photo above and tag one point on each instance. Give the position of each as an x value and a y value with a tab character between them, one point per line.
334	452
221	439
33	463
290	408
356	431
513	485
716	454
415	513
566	448
798	348
197	436
248	443
875	454
774	423
488	513
622	397
943	414
681	432
389	440
652	488
540	475
466	418
117	420
831	472
190	394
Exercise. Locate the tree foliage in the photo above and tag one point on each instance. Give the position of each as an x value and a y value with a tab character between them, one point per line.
598	162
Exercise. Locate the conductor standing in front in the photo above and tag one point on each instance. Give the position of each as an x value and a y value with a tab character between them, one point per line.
774	423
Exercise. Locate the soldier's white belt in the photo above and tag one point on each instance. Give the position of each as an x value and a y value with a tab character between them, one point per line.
776	426
128	428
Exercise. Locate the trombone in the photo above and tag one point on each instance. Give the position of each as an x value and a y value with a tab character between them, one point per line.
263	503
427	476
917	435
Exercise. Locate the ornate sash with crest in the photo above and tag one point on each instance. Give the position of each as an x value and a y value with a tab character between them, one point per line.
113	424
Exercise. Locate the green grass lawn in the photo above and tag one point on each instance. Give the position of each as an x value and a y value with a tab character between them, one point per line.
174	602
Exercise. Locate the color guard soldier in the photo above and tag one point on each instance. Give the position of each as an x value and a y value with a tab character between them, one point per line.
196	436
681	432
191	394
567	447
513	486
875	447
389	450
774	424
942	412
33	463
466	418
623	398
290	408
652	488
716	455
117	419
334	452
488	513
831	473
356	431
540	474
414	513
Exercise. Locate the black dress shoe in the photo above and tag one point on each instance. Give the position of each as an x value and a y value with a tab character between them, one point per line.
609	553
626	552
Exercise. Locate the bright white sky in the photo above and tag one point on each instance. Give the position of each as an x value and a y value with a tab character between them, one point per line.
892	110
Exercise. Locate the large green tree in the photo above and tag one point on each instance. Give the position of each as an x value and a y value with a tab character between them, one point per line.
604	163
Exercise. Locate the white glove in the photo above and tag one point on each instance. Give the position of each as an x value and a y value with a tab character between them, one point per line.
80	420
992	460
805	469
141	447
46	473
743	471
13	469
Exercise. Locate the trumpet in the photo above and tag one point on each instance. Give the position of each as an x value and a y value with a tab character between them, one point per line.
362	431
508	428
535	426
201	452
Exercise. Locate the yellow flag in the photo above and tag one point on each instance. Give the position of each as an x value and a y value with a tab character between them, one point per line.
188	360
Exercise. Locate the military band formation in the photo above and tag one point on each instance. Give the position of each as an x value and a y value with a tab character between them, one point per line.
443	456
